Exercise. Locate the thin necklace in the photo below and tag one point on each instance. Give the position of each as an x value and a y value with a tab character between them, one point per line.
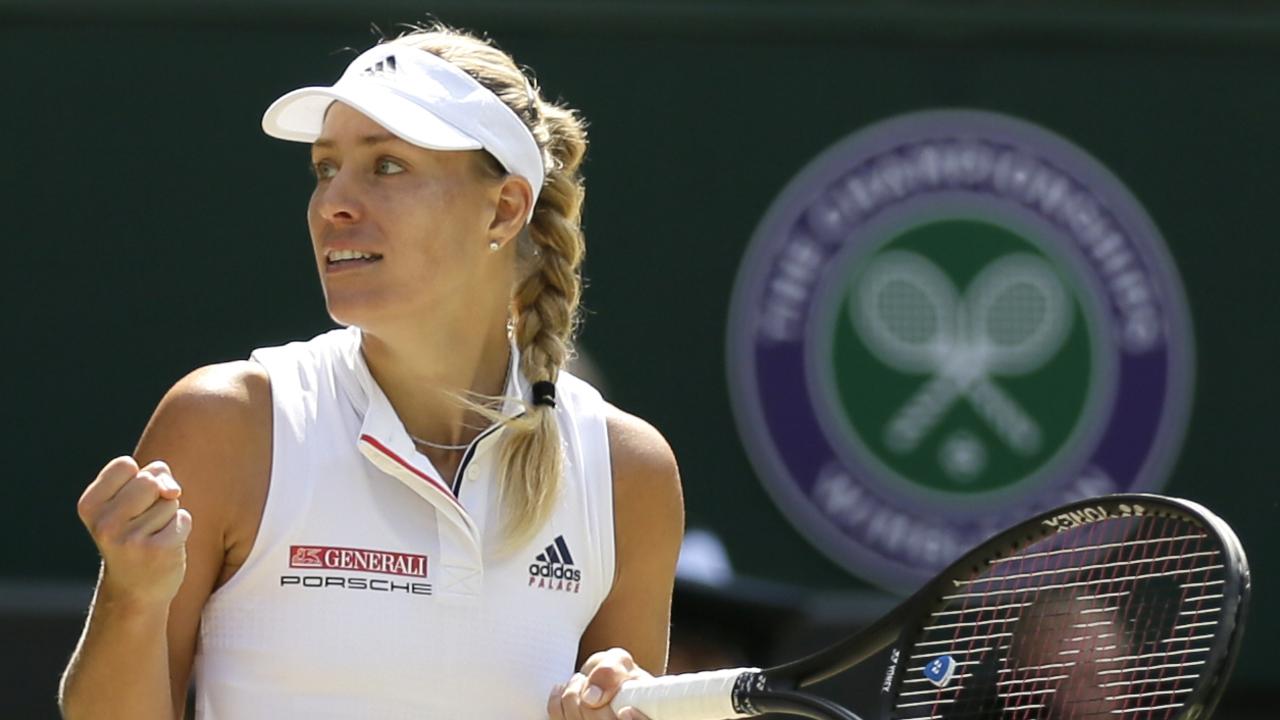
438	446
463	446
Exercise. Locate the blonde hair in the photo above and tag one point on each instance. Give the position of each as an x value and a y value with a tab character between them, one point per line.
550	253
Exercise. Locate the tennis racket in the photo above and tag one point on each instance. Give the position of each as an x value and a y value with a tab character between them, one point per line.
1128	607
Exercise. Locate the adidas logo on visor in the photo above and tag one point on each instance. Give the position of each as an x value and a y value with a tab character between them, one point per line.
385	66
553	568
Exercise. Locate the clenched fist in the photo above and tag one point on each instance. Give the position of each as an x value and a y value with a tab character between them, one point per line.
139	527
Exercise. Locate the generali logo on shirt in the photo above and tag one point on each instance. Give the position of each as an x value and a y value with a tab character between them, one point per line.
385	562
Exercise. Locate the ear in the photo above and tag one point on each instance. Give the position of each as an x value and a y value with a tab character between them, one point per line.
515	199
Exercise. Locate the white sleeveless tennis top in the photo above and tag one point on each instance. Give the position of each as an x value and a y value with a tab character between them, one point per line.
375	589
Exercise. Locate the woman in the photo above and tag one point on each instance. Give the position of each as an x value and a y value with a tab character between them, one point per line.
419	515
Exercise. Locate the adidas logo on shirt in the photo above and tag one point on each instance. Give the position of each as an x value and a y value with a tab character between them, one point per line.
382	67
553	568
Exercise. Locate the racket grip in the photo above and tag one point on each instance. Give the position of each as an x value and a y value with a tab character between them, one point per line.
690	696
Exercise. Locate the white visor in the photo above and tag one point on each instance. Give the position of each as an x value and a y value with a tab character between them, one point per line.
421	98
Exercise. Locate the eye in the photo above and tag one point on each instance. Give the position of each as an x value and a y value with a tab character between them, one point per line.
387	166
323	170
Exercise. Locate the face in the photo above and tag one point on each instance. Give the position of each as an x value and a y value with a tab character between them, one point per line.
402	232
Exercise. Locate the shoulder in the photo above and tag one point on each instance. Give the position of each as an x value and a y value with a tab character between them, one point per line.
223	399
213	428
640	454
648	500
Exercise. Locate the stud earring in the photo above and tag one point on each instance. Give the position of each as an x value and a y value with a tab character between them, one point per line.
495	246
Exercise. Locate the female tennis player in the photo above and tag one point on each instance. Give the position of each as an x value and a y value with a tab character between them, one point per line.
419	515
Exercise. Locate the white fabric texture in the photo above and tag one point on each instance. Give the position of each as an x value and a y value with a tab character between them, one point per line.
372	591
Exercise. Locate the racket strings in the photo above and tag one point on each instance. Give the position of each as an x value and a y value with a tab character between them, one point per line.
1167	625
1049	622
1110	619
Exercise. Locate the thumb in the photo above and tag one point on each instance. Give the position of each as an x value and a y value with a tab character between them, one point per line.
182	519
177	531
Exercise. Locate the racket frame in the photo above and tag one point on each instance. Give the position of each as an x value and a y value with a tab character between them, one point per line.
773	689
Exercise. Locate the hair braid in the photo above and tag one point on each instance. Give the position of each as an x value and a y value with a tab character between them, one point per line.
550	254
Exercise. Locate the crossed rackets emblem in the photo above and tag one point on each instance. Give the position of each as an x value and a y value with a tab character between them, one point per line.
1011	320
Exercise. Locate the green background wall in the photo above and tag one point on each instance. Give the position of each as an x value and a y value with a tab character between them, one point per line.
151	227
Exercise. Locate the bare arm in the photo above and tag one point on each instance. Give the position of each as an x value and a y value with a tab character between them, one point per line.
648	527
628	636
207	450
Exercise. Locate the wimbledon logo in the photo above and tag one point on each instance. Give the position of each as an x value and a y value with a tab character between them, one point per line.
947	322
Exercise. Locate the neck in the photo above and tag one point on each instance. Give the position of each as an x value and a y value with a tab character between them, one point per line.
422	369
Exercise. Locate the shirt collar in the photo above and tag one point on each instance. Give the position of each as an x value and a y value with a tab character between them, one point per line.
379	419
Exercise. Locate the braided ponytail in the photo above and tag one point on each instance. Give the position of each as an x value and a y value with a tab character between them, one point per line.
550	254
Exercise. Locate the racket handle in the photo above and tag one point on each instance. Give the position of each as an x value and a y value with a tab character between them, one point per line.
690	696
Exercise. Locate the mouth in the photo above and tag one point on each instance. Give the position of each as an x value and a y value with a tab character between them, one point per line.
338	259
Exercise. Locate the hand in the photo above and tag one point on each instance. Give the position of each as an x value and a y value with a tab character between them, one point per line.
135	520
587	694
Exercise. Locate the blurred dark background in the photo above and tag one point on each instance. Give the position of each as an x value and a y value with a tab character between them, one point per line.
153	228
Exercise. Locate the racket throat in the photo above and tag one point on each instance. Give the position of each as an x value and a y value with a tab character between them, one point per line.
798	703
745	688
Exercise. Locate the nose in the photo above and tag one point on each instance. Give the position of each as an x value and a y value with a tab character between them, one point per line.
337	200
